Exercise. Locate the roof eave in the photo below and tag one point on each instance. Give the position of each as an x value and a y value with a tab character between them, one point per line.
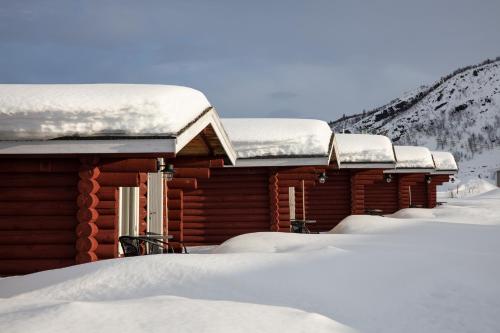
207	118
410	170
367	165
282	161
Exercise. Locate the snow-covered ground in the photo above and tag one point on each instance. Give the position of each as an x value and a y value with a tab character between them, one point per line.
419	270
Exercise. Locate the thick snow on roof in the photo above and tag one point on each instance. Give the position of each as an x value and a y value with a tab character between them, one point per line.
413	157
44	111
363	148
265	137
444	161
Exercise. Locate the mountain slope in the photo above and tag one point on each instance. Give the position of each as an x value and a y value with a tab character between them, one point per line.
459	113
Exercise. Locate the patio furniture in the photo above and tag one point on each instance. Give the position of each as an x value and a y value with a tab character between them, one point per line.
378	212
300	226
149	244
172	246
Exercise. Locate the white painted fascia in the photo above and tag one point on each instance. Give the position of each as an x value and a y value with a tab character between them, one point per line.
111	146
410	170
281	162
367	165
444	172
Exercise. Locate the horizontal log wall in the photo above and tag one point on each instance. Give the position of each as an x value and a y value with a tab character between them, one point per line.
38	214
382	195
329	203
412	190
436	180
59	211
231	202
116	173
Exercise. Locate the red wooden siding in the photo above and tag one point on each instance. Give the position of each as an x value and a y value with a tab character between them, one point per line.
38	207
329	203
115	173
436	180
232	202
383	196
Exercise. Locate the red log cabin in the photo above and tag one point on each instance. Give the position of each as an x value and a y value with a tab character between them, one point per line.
263	191
445	169
406	185
359	161
79	167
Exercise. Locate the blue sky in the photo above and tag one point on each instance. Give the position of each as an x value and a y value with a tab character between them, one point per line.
310	59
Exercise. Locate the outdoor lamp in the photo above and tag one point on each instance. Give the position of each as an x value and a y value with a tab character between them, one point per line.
452	179
428	179
322	178
388	178
166	169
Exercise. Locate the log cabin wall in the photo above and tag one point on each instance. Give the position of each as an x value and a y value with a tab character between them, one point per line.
299	178
360	180
329	203
115	173
382	195
419	194
231	202
436	180
412	190
38	214
56	212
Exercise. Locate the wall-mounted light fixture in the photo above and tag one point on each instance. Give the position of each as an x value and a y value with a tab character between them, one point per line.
428	179
166	169
452	179
388	177
322	178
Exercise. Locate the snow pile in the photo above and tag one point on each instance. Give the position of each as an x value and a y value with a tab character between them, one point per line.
363	148
465	188
159	314
413	157
419	272
45	111
264	137
444	161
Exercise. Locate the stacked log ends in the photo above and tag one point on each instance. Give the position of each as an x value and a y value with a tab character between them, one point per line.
87	215
274	201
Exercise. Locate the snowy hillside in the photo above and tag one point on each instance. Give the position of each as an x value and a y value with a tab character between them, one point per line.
459	113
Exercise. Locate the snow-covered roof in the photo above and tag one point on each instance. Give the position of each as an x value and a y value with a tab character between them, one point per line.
162	118
47	111
444	161
363	150
279	141
413	157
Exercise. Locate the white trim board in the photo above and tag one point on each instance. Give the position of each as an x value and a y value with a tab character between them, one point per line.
367	165
445	172
111	146
409	170
209	118
284	161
